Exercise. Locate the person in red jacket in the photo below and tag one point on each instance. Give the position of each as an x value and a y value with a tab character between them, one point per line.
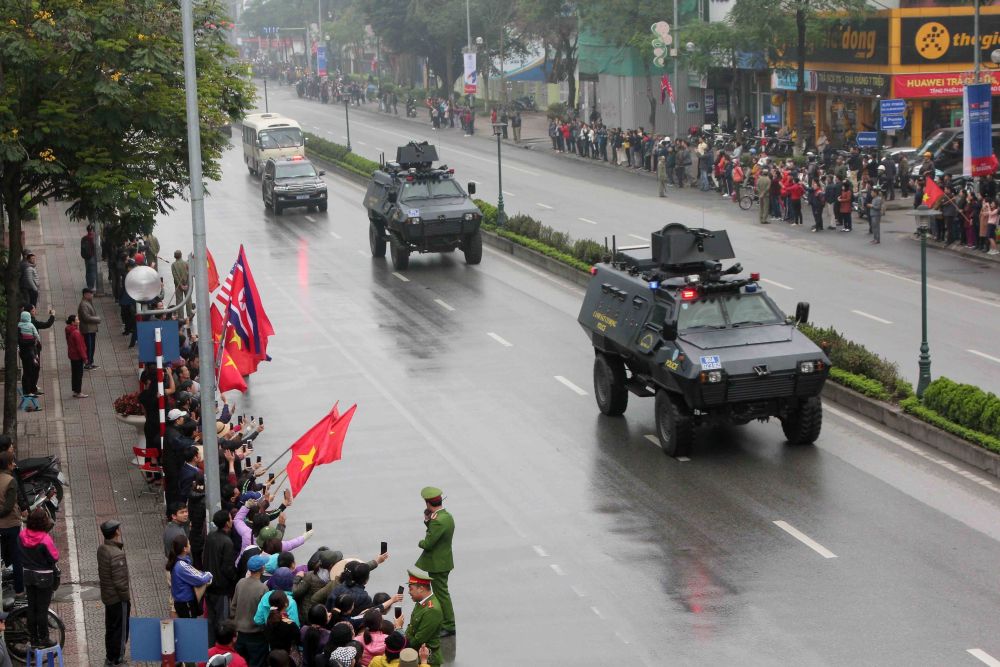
77	350
795	193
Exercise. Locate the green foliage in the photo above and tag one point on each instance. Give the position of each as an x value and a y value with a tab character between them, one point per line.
339	155
557	110
858	360
913	406
860	383
964	404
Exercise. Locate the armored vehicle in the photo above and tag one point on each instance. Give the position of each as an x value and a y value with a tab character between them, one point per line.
417	207
666	320
292	181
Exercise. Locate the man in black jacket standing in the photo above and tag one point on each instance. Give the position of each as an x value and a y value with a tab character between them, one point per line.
112	572
220	560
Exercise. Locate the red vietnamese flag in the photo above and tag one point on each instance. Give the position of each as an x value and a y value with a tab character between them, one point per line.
931	193
321	444
229	374
213	272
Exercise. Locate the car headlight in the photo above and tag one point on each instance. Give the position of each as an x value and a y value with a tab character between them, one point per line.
469	217
710	377
806	367
413	221
281	188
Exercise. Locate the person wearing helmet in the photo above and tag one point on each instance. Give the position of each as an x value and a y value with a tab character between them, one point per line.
926	167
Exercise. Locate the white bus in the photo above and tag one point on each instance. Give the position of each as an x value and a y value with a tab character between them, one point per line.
270	135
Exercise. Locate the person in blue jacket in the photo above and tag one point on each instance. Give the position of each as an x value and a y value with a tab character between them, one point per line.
185	579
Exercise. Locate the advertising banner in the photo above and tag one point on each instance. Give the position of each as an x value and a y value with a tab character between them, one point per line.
936	84
977	153
471	77
928	40
856	41
321	60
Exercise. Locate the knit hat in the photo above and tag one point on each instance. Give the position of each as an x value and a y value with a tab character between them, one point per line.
281	580
409	658
256	563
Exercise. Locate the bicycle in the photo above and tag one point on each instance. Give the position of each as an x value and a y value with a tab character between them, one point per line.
748	200
16	636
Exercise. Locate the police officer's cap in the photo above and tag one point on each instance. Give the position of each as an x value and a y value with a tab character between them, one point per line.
431	493
418	576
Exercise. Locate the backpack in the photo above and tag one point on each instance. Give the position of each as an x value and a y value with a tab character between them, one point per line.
738	174
86	248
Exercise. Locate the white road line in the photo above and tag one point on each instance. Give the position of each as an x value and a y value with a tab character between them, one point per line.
641	238
984	355
335	235
775	283
587	220
540	551
343	136
363	253
597	611
309	218
653	439
957	293
401	276
318	129
983	657
873	317
360	143
805	539
379	149
543	205
579	591
982	481
509	194
444	305
500	340
683	459
558	570
572	386
621	639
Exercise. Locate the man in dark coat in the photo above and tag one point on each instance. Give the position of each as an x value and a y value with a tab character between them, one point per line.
219	559
112	572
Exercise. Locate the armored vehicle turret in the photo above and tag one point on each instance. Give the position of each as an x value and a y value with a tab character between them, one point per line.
417	207
667	320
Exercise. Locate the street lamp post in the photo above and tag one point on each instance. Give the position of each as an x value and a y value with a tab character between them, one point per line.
347	118
498	130
923	215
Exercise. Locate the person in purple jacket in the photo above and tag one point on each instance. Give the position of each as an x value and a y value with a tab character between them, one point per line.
184	579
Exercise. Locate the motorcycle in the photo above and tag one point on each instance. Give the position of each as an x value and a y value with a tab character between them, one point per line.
411	109
42	482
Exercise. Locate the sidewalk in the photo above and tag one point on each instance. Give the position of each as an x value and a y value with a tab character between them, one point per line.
94	447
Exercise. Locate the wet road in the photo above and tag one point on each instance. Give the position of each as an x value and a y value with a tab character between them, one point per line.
578	542
871	293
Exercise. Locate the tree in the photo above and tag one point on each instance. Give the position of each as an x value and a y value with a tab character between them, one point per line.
717	44
776	24
92	111
555	23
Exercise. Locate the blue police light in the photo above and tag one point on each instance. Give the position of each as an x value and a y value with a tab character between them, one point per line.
654	284
750	289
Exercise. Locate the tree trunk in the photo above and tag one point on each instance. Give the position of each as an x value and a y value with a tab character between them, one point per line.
800	84
651	98
448	69
12	201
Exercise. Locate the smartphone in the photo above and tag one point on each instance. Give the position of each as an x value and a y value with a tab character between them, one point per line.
399	612
251	417
261	421
239	420
399	591
385	548
270	476
309	525
248	464
258	459
244	450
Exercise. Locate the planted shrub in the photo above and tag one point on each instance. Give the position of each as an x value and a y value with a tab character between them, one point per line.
859	360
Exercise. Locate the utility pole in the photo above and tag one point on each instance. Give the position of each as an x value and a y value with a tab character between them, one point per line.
675	29
977	49
305	43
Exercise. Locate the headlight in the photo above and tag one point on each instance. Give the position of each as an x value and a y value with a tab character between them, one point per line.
469	217
281	188
714	377
811	366
413	221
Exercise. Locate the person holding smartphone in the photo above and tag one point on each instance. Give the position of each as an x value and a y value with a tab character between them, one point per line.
437	556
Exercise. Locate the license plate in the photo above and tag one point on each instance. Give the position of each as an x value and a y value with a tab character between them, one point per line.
302	196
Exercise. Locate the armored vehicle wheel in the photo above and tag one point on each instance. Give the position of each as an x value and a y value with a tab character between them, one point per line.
609	385
473	248
399	254
802	425
746	202
674	428
376	241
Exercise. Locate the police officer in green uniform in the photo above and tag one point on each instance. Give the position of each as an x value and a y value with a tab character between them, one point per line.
427	617
437	558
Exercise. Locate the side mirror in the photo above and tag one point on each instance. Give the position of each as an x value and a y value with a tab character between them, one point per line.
802	312
471	187
391	197
322	172
669	330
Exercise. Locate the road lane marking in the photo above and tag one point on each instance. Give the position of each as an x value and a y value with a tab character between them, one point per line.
500	340
335	235
343	136
597	611
558	570
805	539
444	305
363	253
572	386
653	439
874	317
775	283
940	289
984	355
379	149
401	276
587	220
543	205
509	194
683	459
540	551
983	657
622	639
309	218
912	448
579	592
360	143
641	238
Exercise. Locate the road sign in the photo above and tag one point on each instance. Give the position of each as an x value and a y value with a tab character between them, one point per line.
892	107
893	122
867	139
771	118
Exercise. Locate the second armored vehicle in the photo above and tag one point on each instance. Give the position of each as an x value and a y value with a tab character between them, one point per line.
666	320
416	207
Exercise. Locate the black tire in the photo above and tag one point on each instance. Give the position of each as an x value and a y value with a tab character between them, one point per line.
746	202
376	240
802	425
267	202
399	254
473	248
609	385
310	209
16	635
322	207
674	429
275	205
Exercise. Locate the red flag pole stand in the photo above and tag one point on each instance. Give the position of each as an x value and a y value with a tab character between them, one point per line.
168	656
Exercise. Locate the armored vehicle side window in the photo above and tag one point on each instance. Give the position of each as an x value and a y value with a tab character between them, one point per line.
695	314
657	317
750	309
430	190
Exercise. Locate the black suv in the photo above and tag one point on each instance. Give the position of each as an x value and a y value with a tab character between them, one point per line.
292	181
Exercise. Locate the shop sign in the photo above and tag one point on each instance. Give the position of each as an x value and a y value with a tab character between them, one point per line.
936	84
787	79
709	102
947	39
865	41
696	80
693	106
852	83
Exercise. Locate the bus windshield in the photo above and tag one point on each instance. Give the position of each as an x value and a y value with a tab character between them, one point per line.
280	137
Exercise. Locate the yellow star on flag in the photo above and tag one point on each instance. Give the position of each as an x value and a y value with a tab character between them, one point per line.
307	459
236	339
230	362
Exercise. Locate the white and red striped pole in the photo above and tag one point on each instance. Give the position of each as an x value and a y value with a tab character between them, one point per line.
161	398
168	654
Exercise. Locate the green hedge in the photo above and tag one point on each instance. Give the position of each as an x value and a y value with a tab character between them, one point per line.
339	155
965	405
913	406
859	383
858	360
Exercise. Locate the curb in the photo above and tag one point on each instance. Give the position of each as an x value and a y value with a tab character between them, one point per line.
957	249
536	258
